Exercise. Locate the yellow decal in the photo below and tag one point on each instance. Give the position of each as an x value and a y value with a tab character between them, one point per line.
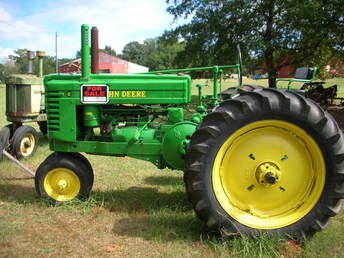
127	94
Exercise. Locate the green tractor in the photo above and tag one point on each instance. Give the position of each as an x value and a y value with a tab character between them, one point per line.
24	104
260	161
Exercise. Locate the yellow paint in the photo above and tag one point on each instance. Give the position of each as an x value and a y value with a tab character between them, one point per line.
62	184
27	145
268	174
127	94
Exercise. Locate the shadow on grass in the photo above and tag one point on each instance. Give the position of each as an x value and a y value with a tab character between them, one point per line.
143	211
131	200
162	226
17	193
162	180
151	214
142	200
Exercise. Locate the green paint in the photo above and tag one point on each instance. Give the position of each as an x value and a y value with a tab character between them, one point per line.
143	116
85	52
92	116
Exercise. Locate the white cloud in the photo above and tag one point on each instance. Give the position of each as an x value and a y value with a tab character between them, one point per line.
118	22
5	52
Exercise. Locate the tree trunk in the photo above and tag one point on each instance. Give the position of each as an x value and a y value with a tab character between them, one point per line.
272	81
271	69
269	51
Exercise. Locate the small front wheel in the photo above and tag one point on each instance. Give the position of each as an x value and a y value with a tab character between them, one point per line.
24	141
63	177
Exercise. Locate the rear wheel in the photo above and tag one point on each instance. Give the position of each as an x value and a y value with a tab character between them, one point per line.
24	141
63	177
266	161
228	93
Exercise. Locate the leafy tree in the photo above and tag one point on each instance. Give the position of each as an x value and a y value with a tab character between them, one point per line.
78	54
6	70
109	50
134	52
303	31
20	62
153	53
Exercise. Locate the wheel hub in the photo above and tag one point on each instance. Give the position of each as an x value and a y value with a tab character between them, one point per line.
62	184
27	145
268	174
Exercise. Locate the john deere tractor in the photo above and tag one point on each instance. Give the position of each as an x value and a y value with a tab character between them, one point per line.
260	161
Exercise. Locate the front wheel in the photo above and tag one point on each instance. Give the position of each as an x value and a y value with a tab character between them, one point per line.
24	141
266	161
64	177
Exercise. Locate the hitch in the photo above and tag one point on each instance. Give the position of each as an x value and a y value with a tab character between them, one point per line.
18	163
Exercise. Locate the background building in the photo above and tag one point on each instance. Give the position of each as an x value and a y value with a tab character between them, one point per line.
107	64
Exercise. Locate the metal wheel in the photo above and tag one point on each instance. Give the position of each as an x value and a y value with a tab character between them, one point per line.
64	177
61	184
24	141
283	176
266	161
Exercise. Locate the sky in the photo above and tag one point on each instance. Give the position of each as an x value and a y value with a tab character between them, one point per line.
32	24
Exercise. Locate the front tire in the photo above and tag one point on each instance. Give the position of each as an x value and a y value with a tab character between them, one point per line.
24	141
268	161
64	177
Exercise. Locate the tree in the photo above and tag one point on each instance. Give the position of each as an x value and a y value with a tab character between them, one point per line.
78	54
134	52
154	53
20	62
303	31
6	70
109	50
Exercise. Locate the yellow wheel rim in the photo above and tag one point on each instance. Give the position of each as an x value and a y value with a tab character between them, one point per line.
27	144
268	174
62	184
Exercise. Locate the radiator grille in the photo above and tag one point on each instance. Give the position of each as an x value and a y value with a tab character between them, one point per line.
53	109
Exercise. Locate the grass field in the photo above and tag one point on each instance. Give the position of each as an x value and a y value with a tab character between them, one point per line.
135	210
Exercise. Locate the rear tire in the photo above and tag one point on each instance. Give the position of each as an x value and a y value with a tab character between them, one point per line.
64	177
228	93
241	166
24	142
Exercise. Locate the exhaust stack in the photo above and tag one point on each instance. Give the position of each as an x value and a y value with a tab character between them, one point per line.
94	50
85	52
30	56
40	55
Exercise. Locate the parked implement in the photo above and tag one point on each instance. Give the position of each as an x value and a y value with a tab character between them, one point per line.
312	89
263	160
24	104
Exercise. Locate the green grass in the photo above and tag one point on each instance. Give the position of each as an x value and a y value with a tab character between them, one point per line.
134	210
